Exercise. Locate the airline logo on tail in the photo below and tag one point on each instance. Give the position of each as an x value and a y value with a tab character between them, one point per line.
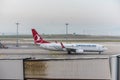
37	37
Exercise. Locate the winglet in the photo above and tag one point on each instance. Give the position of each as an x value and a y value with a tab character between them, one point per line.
62	45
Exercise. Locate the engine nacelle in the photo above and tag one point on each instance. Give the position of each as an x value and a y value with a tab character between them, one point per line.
64	49
79	51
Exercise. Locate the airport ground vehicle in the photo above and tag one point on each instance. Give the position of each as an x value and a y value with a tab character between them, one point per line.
2	46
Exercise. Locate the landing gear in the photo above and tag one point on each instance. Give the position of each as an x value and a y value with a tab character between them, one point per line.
69	52
100	52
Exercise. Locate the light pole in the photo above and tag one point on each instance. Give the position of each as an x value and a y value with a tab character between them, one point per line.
17	35
66	31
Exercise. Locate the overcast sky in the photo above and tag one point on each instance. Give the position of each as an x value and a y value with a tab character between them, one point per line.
98	17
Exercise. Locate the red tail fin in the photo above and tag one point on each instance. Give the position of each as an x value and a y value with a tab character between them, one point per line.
37	37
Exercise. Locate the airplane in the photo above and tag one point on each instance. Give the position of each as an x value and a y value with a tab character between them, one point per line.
70	48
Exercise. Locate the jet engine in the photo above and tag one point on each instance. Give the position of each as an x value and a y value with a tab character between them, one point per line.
79	51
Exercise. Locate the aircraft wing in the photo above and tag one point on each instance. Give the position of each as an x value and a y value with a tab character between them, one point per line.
72	49
76	50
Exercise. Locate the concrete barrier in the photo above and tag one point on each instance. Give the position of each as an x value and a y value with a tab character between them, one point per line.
80	68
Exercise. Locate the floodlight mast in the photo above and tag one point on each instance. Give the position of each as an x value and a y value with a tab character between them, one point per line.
17	23
66	31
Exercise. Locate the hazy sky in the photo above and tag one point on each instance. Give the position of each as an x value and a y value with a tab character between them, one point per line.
99	17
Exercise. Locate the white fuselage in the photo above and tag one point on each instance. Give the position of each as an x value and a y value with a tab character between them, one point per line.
84	47
51	46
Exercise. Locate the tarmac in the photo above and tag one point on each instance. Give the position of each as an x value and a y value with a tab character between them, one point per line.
113	48
34	52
